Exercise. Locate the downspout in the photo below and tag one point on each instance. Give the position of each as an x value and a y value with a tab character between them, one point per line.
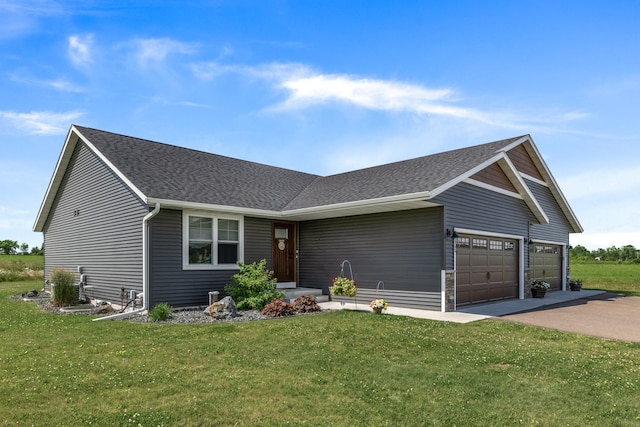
145	270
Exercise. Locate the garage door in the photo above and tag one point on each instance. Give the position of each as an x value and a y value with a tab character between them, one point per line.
486	269
545	262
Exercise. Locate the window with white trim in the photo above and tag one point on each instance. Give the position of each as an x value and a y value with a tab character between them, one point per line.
211	241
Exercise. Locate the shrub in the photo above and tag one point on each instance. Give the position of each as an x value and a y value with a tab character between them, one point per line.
65	292
160	312
278	308
253	286
305	304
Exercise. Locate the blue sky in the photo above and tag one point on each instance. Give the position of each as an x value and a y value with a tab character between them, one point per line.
329	86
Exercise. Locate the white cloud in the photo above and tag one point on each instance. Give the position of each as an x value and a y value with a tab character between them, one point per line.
602	182
155	50
79	49
305	87
57	84
63	85
41	122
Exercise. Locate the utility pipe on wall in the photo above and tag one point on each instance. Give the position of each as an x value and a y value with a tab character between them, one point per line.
145	270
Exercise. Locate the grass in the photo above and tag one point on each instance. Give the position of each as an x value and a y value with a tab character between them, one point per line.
610	276
332	369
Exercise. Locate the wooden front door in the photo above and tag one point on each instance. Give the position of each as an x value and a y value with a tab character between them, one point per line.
283	251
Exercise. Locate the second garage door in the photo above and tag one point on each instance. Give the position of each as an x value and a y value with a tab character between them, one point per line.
486	269
545	262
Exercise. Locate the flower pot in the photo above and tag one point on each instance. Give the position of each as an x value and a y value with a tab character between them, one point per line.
538	293
575	287
377	310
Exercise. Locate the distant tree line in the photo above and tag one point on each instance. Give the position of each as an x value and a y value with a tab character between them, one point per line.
626	253
12	247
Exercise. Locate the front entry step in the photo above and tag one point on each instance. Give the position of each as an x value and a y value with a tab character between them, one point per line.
292	294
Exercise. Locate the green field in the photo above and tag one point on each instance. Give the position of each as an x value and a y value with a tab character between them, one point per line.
610	276
21	267
331	369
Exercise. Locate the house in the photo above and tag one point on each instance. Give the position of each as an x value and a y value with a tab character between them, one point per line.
462	227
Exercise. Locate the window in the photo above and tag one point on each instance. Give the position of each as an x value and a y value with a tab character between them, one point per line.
509	246
479	243
462	242
495	245
211	242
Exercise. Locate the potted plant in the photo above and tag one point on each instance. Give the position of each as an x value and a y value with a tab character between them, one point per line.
343	287
539	288
575	285
377	305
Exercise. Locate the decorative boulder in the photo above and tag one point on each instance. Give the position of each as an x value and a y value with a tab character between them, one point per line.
104	308
222	309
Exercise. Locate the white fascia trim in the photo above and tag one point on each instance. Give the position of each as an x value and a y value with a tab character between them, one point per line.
548	242
553	185
444	187
492	188
423	196
56	179
517	142
110	165
514	176
487	233
205	207
536	180
512	173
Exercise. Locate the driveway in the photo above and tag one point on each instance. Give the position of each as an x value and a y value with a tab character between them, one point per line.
605	315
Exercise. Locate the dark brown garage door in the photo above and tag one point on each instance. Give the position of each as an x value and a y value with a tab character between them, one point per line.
545	262
486	269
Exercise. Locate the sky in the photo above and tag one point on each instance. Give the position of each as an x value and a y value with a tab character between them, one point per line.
329	86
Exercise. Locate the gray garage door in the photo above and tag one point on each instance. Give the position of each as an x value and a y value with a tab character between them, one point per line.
486	269
545	262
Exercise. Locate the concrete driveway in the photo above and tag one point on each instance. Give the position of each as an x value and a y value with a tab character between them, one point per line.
605	315
587	312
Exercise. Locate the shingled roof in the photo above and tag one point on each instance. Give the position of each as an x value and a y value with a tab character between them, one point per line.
419	175
185	178
162	171
168	172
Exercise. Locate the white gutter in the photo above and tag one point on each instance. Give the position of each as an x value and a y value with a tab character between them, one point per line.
145	270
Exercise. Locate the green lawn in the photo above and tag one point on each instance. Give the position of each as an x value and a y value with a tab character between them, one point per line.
609	276
334	369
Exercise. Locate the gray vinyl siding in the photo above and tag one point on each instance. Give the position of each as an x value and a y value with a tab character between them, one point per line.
182	288
472	207
257	236
558	228
402	249
96	223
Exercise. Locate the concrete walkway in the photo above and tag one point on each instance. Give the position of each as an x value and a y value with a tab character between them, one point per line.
474	313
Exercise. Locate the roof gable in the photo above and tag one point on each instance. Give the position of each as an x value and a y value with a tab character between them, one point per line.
417	177
181	177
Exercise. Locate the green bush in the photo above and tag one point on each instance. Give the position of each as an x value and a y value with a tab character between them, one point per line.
65	292
160	312
253	286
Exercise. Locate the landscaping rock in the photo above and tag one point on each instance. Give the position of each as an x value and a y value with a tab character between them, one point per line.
104	308
30	294
222	309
